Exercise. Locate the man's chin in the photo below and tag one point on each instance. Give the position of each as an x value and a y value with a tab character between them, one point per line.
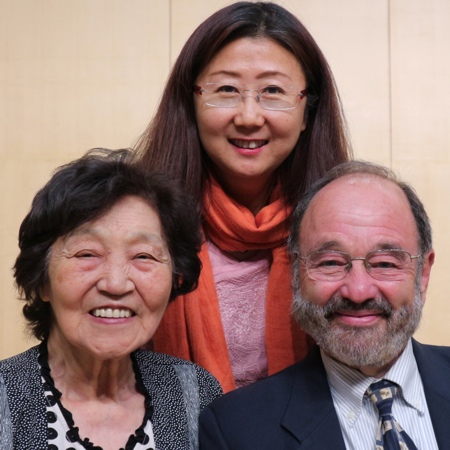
372	345
359	346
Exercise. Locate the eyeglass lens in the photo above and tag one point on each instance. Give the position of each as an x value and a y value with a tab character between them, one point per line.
269	97
386	265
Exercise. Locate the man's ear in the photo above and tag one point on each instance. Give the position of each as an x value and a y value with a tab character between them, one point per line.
428	261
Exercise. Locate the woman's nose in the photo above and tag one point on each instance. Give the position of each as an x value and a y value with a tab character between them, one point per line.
115	279
249	113
359	285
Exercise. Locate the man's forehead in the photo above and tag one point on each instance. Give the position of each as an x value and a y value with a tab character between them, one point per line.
359	200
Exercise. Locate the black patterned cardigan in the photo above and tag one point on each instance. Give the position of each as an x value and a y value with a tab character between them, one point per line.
179	390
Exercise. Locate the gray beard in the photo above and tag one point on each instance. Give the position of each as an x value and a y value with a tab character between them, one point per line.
371	346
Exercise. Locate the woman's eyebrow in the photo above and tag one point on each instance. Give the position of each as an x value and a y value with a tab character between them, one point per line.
146	237
272	73
226	72
267	73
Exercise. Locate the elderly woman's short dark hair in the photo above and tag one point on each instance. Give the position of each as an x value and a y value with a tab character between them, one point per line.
84	190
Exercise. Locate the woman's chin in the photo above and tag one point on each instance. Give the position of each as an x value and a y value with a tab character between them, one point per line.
114	348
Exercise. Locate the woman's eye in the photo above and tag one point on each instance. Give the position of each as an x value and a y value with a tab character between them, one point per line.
227	89
272	90
144	256
85	255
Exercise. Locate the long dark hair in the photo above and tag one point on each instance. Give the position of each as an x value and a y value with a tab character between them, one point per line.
171	142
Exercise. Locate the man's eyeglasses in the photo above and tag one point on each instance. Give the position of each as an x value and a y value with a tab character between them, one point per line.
383	265
273	97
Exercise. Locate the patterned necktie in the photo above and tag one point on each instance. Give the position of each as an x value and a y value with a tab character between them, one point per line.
390	435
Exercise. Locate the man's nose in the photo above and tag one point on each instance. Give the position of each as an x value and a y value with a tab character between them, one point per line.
115	279
359	285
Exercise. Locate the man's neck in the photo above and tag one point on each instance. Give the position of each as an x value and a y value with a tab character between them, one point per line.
378	371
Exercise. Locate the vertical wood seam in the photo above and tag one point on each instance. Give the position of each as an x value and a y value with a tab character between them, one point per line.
389	81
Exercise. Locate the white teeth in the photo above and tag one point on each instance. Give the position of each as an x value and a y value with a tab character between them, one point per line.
111	313
248	144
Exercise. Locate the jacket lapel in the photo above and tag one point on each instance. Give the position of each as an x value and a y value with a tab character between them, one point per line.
434	368
311	405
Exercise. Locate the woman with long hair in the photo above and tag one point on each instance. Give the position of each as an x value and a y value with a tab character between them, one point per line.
250	118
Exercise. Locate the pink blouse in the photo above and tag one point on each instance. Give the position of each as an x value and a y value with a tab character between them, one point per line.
241	289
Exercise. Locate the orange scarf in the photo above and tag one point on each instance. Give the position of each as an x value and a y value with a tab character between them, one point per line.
192	328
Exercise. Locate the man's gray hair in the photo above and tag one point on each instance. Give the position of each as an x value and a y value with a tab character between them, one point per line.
359	168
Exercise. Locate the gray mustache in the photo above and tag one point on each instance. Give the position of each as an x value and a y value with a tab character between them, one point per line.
339	303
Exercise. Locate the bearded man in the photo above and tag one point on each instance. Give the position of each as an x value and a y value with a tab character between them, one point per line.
361	256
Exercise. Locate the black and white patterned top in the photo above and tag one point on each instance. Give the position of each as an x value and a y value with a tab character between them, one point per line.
5	419
64	435
178	391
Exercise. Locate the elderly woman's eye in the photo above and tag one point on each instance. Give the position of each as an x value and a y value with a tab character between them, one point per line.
144	256
85	255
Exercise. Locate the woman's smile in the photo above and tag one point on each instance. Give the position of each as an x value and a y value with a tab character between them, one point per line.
114	270
112	313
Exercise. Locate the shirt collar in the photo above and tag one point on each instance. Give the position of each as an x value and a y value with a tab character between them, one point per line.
350	385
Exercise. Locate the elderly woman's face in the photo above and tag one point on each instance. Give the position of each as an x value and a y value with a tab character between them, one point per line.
110	281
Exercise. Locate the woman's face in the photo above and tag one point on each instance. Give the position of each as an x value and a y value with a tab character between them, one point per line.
248	142
110	281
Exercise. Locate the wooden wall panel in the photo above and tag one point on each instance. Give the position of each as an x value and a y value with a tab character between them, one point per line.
74	75
420	42
353	35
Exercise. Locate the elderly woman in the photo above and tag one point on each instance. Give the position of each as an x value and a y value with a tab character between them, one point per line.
103	250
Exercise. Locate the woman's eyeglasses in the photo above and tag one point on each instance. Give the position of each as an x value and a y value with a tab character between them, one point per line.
273	97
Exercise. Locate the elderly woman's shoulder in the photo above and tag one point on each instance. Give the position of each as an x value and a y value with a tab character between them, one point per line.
20	363
191	377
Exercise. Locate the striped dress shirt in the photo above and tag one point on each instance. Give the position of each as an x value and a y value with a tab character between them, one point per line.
358	416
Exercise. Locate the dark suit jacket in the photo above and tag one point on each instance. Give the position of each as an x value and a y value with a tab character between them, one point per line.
293	409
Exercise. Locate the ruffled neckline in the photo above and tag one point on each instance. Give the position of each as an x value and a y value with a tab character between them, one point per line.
49	385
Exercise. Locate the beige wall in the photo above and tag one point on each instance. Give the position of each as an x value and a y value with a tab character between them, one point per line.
77	74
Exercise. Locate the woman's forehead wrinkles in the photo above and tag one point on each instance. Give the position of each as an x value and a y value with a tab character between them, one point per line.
131	237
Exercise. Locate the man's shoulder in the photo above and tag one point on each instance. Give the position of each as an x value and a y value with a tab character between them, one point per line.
277	412
425	351
272	393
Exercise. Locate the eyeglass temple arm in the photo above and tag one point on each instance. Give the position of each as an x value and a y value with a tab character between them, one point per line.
198	90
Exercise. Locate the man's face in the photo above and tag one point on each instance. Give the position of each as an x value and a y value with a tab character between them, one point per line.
361	321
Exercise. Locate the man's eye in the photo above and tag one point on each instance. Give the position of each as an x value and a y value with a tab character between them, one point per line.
384	265
331	263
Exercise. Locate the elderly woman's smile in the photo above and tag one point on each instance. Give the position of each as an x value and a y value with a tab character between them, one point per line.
110	281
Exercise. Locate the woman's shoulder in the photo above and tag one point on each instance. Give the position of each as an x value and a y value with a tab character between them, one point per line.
189	374
20	363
